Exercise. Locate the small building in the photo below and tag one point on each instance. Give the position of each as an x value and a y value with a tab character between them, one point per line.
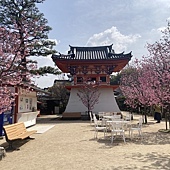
24	108
95	64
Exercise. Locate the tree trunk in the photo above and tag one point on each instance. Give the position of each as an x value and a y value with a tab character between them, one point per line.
166	120
146	119
1	123
145	114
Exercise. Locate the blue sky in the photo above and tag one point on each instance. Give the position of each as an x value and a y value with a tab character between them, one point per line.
127	24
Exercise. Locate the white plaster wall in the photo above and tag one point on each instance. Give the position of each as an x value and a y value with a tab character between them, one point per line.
26	102
106	103
28	118
74	103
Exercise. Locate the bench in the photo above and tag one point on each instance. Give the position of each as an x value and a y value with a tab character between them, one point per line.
16	131
71	115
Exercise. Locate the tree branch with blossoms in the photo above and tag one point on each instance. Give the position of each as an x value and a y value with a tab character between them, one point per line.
89	95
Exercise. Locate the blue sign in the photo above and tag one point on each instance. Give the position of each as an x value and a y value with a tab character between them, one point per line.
5	118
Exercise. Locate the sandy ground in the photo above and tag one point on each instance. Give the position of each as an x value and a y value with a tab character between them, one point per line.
70	145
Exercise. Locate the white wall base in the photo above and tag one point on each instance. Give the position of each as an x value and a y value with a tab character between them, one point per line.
28	118
106	103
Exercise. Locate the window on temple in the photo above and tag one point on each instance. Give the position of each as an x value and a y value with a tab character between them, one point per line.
103	79
79	79
93	78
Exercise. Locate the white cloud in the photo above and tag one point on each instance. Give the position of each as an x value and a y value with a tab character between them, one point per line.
153	35
48	80
45	81
158	31
113	36
43	61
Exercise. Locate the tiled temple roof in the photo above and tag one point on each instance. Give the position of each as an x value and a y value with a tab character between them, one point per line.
92	53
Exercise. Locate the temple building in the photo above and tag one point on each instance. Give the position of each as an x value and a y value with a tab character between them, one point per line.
95	64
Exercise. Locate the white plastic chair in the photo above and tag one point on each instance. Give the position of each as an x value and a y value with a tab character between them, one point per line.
91	118
107	114
137	128
97	127
101	114
116	117
114	113
117	128
128	116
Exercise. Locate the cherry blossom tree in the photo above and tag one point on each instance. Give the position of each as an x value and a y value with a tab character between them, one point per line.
148	81
10	62
89	95
141	86
160	62
133	88
11	74
126	85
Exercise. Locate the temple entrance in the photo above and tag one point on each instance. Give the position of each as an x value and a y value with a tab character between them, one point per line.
91	65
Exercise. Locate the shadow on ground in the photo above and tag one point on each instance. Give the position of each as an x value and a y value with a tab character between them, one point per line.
148	138
156	161
16	145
